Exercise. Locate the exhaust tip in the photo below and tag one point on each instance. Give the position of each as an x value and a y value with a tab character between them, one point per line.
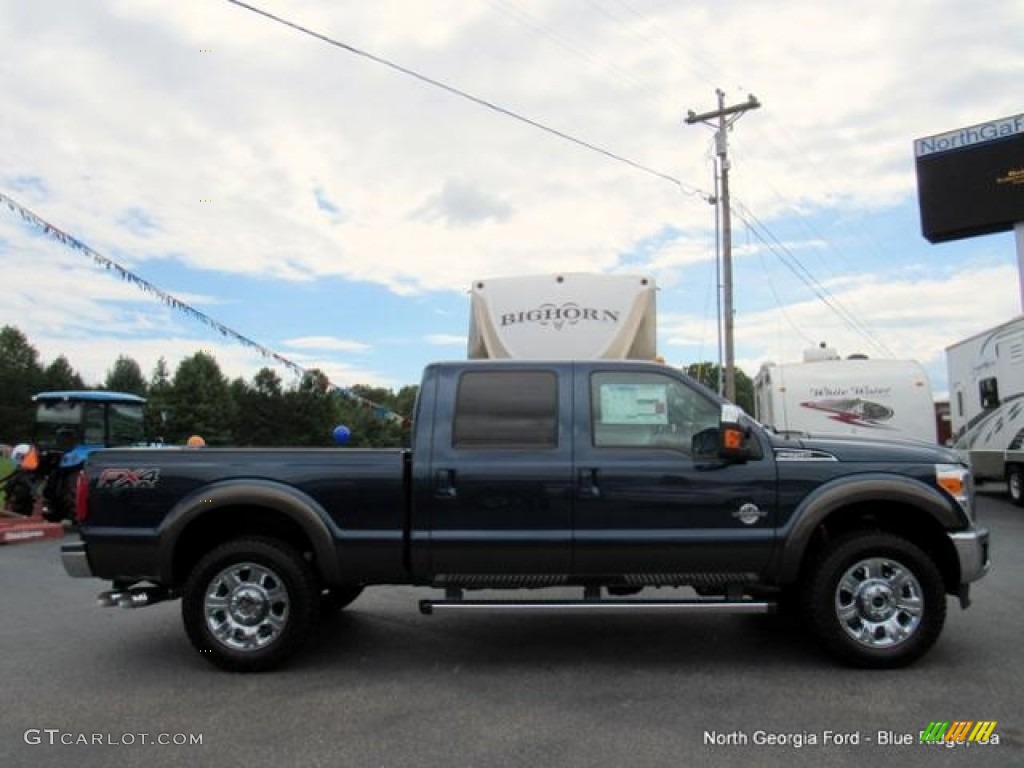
134	600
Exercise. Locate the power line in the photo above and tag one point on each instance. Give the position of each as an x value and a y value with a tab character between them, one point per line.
566	43
798	269
468	96
680	47
762	233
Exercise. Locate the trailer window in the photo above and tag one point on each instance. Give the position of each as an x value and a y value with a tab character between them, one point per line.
989	392
506	409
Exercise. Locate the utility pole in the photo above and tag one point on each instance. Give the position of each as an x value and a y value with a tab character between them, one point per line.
724	117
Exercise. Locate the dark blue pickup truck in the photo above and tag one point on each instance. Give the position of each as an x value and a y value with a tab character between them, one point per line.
608	476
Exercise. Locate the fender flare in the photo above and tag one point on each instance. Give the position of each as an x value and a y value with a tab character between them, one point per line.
290	502
860	489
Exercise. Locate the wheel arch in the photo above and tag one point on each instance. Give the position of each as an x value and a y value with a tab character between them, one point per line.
902	507
215	514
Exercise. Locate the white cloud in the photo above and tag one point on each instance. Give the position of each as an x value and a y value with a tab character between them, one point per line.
206	136
462	203
445	340
327	343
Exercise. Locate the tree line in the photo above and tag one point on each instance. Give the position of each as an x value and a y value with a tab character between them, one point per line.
198	399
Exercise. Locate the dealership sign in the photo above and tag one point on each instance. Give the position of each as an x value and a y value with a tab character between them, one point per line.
968	137
971	181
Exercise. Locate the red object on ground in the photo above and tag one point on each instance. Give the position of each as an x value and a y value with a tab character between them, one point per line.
20	530
13	532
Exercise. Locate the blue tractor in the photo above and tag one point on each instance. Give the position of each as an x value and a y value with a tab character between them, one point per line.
68	427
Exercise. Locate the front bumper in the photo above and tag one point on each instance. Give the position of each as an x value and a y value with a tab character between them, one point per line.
74	556
973	554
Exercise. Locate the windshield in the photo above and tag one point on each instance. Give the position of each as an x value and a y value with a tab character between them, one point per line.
59	412
63	425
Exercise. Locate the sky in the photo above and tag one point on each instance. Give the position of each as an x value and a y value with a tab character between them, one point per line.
336	210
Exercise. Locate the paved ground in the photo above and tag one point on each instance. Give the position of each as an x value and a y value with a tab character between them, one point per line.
383	686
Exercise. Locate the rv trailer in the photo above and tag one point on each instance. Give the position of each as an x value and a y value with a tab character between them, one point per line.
857	396
986	399
571	316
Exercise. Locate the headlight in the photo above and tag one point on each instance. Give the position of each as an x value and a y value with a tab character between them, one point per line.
956	480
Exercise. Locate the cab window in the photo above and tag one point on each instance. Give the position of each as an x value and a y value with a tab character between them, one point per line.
506	409
126	424
93	428
645	409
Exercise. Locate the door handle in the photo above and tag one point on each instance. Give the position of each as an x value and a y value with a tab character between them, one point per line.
444	484
588	485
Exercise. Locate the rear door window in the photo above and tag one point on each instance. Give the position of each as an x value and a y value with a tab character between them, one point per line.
506	409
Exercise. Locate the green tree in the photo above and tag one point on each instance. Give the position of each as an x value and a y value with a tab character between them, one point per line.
200	402
59	375
377	425
707	374
262	415
126	376
158	402
21	376
311	411
405	400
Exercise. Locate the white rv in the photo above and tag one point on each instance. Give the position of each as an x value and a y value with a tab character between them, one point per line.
566	316
856	396
986	400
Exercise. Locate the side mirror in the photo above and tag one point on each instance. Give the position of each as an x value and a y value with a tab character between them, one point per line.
735	441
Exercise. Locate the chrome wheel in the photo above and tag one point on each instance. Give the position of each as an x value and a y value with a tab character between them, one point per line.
246	606
249	603
879	602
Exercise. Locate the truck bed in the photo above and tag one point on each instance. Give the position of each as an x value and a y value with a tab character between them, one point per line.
142	494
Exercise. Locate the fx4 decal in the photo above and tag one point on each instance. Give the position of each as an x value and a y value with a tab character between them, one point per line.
128	478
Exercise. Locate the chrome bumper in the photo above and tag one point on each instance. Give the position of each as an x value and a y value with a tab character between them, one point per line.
972	551
75	559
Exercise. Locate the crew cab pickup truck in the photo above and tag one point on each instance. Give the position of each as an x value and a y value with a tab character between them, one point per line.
607	476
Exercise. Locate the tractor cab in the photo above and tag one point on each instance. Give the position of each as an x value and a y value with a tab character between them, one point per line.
71	425
68	427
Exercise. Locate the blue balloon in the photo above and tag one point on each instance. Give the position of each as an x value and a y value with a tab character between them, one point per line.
342	434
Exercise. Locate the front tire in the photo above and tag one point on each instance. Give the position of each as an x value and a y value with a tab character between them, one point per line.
249	604
1015	484
875	600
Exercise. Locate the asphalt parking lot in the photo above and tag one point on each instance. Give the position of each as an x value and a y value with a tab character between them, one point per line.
383	686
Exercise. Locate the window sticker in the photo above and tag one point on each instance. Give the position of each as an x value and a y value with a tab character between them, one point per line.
634	404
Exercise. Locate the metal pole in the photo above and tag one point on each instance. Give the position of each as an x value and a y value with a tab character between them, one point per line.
722	151
727	309
718	288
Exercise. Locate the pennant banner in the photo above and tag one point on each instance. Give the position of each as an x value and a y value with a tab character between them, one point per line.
381	412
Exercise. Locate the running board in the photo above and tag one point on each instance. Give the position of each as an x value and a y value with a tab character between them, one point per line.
428	607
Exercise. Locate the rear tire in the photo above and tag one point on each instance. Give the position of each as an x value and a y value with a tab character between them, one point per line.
1015	484
20	494
875	600
249	604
